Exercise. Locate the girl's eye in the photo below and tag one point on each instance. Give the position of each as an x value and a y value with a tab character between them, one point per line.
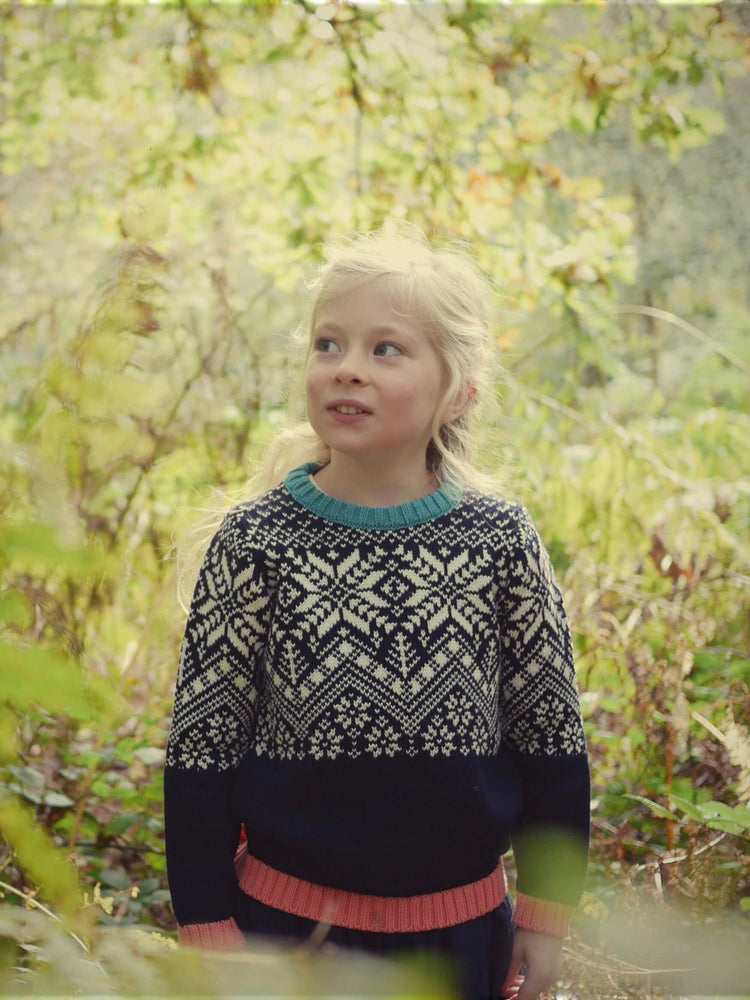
387	351
325	345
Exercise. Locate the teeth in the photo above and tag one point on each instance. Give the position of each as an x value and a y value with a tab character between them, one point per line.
348	409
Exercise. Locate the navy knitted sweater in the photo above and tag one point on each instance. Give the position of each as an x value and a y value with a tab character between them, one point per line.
386	699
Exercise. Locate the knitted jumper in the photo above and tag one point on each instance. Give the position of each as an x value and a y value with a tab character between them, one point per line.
386	699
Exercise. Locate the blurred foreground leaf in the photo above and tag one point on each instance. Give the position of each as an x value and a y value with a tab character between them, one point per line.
128	962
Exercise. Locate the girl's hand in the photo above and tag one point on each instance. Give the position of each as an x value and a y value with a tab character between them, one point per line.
542	956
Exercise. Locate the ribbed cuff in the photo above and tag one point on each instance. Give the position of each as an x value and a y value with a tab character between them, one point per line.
541	915
224	935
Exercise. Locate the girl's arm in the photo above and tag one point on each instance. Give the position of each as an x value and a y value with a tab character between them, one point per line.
201	840
217	690
543	730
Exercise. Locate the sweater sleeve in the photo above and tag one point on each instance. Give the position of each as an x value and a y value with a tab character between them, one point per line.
543	730
214	712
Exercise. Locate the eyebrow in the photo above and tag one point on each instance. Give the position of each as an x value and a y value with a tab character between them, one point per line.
376	331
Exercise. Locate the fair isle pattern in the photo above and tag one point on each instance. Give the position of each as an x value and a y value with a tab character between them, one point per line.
224	638
311	639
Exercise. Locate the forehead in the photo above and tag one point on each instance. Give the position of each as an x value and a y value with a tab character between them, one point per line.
372	302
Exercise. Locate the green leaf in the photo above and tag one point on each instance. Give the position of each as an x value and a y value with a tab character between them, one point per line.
150	755
46	864
58	799
30	794
27	776
655	807
38	675
147	886
121	823
160	896
716	815
16	609
38	544
114	879
690	809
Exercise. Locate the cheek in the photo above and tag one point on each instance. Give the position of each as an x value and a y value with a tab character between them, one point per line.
420	393
310	401
312	380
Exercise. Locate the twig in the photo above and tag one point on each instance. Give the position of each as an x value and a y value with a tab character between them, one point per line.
682	324
553	404
680	858
626	968
717	733
32	901
315	941
355	85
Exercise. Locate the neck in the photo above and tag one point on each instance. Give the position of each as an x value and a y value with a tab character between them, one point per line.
345	478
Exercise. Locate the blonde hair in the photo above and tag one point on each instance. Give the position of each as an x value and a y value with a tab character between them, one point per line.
440	288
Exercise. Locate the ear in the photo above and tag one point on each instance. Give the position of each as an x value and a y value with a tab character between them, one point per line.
461	402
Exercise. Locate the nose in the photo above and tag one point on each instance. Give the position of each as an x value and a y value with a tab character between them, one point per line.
350	370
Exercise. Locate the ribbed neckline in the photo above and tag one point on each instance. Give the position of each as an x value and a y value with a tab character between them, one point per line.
404	515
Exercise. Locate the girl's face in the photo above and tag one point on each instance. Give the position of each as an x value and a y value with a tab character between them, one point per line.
367	358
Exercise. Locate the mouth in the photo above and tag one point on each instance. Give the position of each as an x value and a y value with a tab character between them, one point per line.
348	409
348	413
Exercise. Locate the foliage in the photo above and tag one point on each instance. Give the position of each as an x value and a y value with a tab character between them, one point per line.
137	963
167	175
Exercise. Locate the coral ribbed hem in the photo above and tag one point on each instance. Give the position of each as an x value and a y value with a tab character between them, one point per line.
388	914
541	915
224	935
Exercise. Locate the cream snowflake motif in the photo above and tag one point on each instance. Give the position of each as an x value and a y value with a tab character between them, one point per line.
480	743
550	715
396	590
351	714
223	730
326	742
195	752
525	737
438	739
381	737
571	738
285	746
326	584
460	711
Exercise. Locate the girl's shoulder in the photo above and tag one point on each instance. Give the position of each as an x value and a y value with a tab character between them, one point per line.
509	531
259	517
260	503
502	516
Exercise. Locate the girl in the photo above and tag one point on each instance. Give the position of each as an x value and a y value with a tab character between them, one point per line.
376	677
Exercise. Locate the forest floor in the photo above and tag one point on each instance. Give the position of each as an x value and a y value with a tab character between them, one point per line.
592	974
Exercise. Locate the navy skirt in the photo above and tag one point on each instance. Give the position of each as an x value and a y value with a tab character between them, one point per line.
480	949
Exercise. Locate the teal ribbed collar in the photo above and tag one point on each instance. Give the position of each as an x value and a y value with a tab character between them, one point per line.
404	515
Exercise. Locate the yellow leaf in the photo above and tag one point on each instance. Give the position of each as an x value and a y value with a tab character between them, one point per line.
111	442
588	188
145	215
612	76
502	102
535	129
